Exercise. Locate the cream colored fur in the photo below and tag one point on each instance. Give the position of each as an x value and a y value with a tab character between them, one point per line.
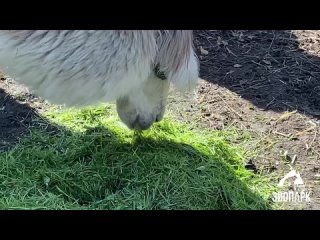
85	67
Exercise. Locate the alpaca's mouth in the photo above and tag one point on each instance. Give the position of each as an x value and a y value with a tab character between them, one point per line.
140	124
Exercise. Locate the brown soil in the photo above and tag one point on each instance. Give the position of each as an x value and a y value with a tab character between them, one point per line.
266	83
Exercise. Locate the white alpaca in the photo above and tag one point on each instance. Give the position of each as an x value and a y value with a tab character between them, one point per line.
84	67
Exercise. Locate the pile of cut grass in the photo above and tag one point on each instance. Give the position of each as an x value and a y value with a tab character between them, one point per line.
90	160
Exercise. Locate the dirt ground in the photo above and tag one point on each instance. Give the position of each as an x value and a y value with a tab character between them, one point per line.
18	111
266	83
263	82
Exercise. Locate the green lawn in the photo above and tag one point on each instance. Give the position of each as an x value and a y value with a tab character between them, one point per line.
87	159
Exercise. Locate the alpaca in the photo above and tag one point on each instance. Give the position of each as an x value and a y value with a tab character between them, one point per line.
85	67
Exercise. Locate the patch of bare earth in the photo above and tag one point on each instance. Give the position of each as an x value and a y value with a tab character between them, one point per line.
266	83
18	111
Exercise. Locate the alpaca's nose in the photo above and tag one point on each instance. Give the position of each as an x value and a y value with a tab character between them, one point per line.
159	117
141	123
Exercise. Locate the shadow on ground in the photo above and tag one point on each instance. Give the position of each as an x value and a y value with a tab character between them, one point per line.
97	170
15	119
267	68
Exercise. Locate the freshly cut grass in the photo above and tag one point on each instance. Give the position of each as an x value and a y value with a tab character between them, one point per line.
87	159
